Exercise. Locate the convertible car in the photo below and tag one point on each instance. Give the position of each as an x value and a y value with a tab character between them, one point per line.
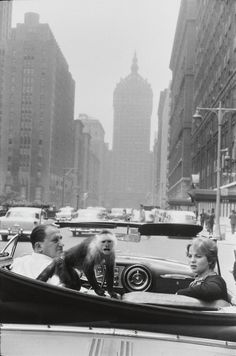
148	316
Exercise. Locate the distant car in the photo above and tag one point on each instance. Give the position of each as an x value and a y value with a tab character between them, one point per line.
149	216
65	213
86	215
21	220
180	216
135	215
99	210
116	214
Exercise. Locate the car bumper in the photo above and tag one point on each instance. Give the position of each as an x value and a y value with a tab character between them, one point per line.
13	231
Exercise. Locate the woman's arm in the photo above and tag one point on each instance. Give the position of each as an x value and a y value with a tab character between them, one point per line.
211	288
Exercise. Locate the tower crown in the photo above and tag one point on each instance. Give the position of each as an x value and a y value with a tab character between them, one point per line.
134	67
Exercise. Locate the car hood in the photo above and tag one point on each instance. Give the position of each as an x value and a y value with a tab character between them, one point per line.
165	266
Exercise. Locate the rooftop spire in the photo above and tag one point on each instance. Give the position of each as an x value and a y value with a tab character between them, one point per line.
134	67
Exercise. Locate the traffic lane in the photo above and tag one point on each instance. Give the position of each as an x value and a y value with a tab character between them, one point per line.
146	247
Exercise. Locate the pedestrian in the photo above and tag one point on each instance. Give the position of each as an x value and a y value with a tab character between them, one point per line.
207	219
125	216
202	217
141	213
211	221
232	218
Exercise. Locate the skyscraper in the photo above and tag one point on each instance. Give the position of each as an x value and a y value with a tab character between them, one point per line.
161	150
5	19
5	30
37	130
131	169
182	64
96	131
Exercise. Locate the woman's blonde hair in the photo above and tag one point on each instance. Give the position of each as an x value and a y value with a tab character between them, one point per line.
207	247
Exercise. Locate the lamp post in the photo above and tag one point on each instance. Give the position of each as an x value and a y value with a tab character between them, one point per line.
220	112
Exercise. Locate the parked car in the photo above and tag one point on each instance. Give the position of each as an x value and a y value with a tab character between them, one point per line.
117	214
149	216
99	210
21	220
177	216
87	215
65	213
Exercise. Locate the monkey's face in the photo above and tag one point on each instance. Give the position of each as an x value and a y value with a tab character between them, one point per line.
106	245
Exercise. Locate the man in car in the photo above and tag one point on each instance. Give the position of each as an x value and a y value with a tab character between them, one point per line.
47	244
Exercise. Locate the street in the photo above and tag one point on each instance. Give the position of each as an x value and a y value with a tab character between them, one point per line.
155	246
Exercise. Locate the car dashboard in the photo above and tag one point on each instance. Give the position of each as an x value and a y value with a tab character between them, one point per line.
145	274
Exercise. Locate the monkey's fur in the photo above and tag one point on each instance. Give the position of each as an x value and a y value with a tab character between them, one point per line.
98	249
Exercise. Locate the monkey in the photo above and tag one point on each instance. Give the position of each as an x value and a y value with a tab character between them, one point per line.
98	249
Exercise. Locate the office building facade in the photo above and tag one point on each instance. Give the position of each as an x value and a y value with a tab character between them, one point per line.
5	31
215	84
97	173
161	167
182	86
37	129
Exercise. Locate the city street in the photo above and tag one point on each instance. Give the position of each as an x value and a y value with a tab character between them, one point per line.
155	246
147	247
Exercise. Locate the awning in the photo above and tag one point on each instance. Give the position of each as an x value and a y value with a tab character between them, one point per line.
209	195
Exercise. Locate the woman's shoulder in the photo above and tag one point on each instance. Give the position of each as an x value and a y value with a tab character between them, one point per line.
215	278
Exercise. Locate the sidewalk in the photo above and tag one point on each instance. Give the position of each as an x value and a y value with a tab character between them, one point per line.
225	229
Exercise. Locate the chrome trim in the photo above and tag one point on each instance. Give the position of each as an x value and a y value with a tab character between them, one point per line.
121	333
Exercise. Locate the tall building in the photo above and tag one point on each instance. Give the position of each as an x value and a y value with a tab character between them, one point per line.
5	30
5	20
37	128
215	82
131	169
161	150
96	131
182	86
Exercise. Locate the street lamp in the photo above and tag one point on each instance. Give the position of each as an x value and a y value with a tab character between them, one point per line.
220	112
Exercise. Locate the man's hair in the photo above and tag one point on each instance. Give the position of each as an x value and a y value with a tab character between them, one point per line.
38	233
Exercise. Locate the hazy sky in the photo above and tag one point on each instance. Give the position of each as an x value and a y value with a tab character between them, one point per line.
98	39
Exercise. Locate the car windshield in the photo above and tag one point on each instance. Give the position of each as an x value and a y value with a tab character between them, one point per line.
88	213
154	246
20	214
116	211
132	244
65	210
